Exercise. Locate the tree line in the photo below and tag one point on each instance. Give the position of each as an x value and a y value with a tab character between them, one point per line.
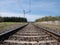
12	19
48	18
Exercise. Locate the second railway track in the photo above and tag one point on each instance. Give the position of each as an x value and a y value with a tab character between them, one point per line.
30	35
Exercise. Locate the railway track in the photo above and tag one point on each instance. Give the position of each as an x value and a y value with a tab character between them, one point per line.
30	35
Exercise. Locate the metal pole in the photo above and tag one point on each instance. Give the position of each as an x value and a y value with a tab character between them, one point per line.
24	13
30	6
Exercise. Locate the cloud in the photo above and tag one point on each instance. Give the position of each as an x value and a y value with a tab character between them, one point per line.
51	6
38	8
29	17
24	4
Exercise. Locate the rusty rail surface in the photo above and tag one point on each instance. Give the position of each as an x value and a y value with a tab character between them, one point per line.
6	34
30	35
50	32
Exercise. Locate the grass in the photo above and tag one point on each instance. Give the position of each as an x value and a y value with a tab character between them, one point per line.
54	27
5	25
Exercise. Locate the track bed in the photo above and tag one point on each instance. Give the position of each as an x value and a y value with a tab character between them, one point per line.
30	35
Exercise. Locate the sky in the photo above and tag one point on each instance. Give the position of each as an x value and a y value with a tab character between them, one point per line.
35	8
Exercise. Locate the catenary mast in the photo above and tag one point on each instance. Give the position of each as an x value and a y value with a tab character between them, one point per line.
29	11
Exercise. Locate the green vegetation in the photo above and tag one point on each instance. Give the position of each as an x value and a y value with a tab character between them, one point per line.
48	18
10	25
7	23
55	28
12	19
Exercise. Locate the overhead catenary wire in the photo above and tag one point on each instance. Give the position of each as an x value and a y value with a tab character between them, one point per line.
24	10
29	11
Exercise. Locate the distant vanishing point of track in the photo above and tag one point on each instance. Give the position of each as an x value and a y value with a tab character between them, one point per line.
30	35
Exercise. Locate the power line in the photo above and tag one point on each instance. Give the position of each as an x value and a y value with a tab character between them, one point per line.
30	6
29	11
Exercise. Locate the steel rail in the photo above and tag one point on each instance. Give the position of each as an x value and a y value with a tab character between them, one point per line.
50	32
6	34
